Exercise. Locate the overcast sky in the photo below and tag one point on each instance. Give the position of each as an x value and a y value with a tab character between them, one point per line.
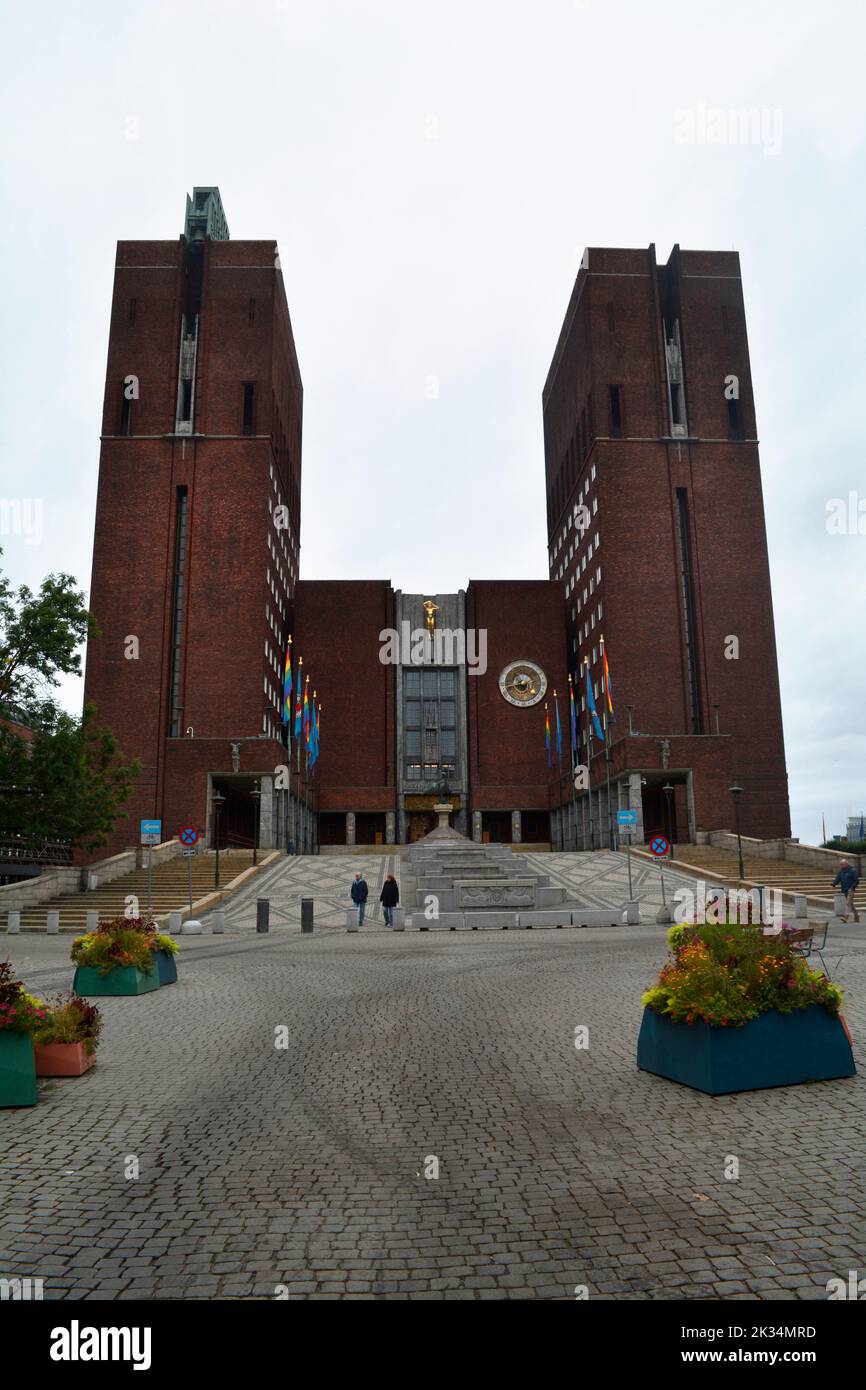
432	173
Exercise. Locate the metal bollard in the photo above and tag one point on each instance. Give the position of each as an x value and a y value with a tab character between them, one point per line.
52	923
91	920
306	915
800	908
632	914
174	921
13	923
263	914
218	920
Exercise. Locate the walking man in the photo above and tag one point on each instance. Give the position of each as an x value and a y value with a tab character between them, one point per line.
847	880
389	898
358	893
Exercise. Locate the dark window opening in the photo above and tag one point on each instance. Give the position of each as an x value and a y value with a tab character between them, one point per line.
174	704
125	413
733	419
689	610
615	413
186	400
677	403
249	407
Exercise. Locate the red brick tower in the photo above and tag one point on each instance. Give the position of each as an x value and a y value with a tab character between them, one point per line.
197	524
649	423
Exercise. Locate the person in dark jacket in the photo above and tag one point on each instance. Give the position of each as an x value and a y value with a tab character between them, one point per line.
847	880
389	898
359	893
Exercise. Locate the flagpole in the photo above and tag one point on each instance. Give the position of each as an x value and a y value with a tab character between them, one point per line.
589	760
610	840
572	724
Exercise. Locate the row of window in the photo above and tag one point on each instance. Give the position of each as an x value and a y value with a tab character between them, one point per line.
572	520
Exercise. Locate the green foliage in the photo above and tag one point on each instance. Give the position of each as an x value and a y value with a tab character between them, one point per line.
70	1019
68	785
727	975
846	846
19	1012
167	944
118	942
39	639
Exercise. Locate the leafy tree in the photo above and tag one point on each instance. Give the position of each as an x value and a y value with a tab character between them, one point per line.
40	637
67	785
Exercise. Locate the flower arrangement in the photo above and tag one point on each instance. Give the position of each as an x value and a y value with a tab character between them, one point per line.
167	944
20	1012
118	941
725	975
69	1020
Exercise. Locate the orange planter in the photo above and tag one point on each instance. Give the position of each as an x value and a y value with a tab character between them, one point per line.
62	1059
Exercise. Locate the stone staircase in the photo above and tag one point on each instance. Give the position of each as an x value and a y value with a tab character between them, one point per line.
780	874
170	891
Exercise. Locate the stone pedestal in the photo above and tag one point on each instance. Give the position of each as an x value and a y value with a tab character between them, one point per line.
443	810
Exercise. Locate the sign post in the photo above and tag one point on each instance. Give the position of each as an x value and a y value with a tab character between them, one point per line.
627	820
151	834
189	839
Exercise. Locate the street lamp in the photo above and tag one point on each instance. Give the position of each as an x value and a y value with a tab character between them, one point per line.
736	793
256	794
217	801
669	797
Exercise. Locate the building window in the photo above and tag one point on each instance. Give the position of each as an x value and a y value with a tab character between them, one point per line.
180	543
186	399
615	413
249	407
125	413
733	419
430	724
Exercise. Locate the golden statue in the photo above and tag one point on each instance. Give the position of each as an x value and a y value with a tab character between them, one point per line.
430	610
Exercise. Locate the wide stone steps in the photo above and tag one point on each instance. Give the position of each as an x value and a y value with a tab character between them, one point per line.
170	891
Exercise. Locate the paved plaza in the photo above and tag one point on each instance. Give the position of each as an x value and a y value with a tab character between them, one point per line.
309	1170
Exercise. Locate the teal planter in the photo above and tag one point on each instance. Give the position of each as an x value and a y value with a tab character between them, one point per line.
166	968
773	1050
121	979
17	1069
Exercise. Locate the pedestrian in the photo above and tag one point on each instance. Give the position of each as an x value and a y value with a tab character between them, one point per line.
847	880
389	898
358	893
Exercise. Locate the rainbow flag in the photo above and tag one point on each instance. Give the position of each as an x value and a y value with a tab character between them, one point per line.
606	680
314	738
287	684
298	700
547	743
558	729
572	712
306	719
591	707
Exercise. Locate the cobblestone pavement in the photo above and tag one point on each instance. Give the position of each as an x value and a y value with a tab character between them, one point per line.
306	1166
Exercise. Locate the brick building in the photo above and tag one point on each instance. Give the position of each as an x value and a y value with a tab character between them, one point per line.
656	536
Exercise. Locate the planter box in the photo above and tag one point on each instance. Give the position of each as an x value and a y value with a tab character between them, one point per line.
166	967
121	979
773	1050
62	1059
17	1069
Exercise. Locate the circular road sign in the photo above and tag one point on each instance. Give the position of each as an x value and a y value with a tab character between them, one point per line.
659	845
188	835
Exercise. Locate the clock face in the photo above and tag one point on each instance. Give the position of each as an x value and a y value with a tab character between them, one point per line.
522	683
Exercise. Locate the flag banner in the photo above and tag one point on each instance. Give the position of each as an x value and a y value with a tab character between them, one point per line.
547	744
307	713
591	706
317	724
287	685
558	729
298	697
606	680
572	711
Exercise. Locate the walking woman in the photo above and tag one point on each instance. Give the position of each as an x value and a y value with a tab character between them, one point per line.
389	898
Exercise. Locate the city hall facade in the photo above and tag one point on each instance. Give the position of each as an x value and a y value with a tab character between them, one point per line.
656	539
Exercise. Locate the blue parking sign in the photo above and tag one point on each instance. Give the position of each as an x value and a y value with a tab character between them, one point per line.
626	817
151	832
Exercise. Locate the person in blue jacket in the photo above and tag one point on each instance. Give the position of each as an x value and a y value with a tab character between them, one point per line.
847	880
358	893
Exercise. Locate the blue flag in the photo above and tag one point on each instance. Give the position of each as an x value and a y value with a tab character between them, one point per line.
590	705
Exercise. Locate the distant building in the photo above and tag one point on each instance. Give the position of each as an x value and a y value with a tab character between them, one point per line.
656	540
857	827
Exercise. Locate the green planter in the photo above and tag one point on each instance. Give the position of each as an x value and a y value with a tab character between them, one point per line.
121	979
17	1069
166	967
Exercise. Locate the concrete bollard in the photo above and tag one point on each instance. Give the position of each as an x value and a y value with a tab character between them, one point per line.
632	914
174	922
351	919
263	914
663	915
306	915
192	927
218	920
91	920
800	908
840	905
13	923
399	919
52	923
